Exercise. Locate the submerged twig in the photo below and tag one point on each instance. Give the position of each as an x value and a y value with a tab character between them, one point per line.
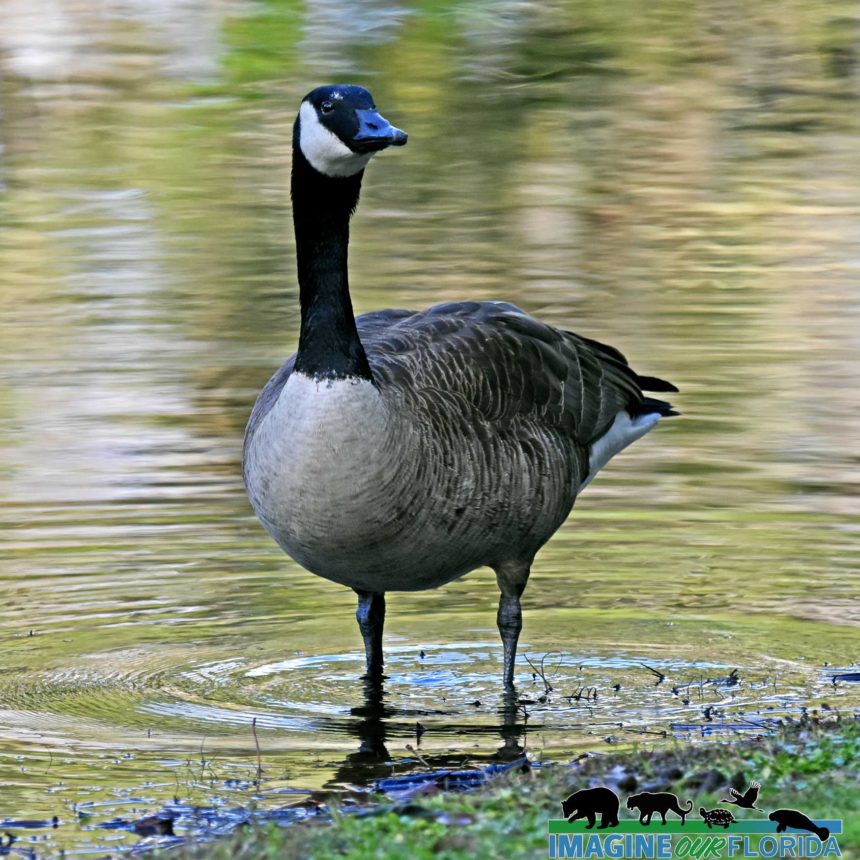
656	672
257	744
661	734
583	693
419	756
540	671
732	679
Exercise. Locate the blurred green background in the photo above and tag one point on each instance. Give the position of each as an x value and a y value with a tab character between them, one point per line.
680	179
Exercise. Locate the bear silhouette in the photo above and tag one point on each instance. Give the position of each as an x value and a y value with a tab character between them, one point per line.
792	818
589	803
648	803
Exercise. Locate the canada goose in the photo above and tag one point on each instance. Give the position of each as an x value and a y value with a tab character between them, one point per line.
403	449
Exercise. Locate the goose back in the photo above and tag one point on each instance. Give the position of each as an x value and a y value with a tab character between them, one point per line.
486	420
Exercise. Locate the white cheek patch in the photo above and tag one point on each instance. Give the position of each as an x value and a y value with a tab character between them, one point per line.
324	150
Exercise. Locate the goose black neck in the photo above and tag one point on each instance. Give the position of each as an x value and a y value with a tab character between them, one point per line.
329	346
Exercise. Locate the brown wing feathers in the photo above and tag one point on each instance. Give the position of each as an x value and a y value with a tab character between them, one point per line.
507	364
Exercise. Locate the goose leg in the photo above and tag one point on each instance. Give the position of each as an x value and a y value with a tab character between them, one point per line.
371	618
512	579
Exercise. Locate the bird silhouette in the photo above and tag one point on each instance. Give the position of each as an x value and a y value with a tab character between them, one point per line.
747	799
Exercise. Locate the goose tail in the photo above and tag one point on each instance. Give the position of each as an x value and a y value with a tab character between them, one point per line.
651	405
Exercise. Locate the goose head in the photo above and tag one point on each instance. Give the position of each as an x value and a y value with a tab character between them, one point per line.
339	130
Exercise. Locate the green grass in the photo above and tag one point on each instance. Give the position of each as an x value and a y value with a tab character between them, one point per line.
814	768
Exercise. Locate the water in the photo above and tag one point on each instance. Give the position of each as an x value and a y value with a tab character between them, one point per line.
682	182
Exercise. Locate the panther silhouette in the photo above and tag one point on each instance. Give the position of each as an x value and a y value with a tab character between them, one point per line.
648	803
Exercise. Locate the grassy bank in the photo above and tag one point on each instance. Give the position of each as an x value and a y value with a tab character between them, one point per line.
814	768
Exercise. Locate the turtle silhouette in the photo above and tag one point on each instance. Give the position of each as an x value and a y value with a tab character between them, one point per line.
747	799
717	817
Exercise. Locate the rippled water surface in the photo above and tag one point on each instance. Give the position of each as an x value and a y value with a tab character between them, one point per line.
682	181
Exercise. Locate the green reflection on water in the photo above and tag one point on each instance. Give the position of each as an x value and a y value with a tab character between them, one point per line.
681	180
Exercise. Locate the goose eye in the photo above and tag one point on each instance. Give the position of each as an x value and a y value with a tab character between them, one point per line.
326	107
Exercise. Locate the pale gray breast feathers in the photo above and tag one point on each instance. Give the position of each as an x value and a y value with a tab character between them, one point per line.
488	418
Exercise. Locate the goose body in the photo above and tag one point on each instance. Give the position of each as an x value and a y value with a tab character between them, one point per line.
403	449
